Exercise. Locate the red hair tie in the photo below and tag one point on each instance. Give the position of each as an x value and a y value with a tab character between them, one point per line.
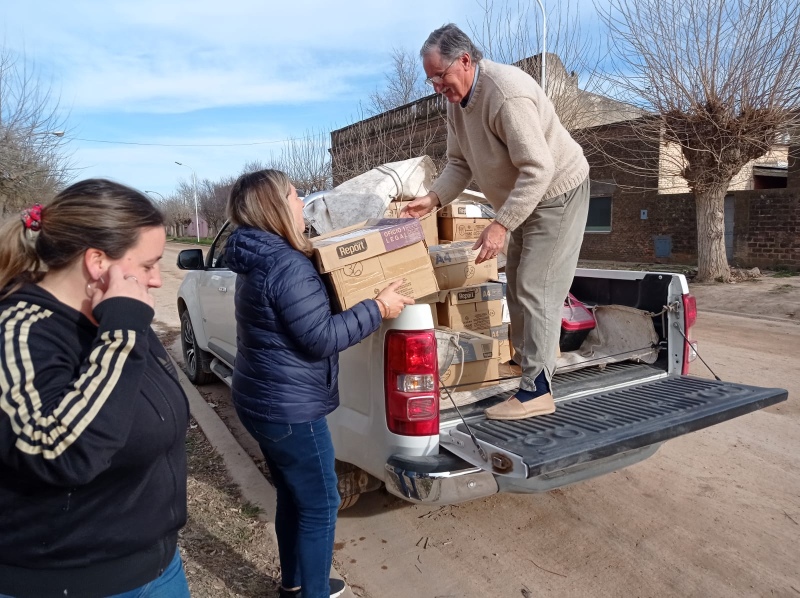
32	217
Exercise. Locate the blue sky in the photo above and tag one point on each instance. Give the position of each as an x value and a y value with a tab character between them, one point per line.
201	72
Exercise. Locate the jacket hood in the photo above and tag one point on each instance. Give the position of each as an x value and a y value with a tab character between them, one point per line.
247	248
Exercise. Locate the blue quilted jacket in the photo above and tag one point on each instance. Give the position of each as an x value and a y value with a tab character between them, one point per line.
288	341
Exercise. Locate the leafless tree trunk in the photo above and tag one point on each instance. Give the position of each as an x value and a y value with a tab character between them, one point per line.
33	164
213	200
721	79
404	83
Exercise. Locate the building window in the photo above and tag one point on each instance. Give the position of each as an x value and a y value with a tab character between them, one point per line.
599	220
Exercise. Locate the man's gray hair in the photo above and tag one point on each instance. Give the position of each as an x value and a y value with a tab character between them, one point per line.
451	43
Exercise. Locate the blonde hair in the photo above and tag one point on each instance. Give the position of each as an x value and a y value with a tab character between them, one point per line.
95	213
259	200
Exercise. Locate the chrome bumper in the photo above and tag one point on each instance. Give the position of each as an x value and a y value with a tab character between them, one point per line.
440	487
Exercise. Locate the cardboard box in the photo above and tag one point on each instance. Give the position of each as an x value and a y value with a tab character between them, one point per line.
502	334
476	307
361	260
365	279
475	293
480	363
462	229
429	226
455	267
462	221
473	376
466	209
367	239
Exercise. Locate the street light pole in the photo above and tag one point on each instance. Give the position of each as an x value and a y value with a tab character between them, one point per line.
544	46
196	216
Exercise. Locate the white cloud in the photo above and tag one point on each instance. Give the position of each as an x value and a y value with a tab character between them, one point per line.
155	56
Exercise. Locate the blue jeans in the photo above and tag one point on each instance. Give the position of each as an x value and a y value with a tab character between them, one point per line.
170	584
301	460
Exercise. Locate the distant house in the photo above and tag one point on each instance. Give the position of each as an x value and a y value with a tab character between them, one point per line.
191	230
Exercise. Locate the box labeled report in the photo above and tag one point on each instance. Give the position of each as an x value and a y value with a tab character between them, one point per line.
365	279
477	308
429	227
475	365
355	243
454	265
360	261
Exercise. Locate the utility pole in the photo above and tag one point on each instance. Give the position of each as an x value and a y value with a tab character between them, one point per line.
196	216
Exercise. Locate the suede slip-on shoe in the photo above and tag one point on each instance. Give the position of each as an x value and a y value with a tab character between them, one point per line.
514	409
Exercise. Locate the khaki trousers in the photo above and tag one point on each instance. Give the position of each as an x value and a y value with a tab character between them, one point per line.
542	257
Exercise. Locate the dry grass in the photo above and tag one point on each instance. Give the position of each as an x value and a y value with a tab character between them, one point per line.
227	549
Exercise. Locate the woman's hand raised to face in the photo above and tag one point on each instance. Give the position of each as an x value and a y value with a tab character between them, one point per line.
122	285
390	302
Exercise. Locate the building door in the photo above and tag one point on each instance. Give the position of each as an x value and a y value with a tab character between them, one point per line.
729	210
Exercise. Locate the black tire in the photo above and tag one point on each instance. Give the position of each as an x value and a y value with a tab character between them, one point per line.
195	360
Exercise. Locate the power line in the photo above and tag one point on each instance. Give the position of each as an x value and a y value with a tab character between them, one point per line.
185	144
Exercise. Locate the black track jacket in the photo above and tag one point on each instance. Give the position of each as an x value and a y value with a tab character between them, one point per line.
92	448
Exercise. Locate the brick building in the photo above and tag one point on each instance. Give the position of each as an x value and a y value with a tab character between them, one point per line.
636	215
648	214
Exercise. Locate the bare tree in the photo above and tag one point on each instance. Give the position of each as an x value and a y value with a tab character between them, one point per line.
511	33
178	214
213	199
307	162
404	83
721	79
33	164
405	132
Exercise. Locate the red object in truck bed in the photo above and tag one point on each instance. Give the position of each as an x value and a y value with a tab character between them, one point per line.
576	322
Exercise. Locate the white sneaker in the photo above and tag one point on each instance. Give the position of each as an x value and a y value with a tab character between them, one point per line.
338	586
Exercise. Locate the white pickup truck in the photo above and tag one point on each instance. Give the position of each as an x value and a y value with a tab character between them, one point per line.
607	418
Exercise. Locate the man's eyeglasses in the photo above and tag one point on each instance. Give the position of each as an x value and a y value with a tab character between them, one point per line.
439	79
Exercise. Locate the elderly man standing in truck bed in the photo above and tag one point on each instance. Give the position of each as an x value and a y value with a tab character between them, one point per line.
503	131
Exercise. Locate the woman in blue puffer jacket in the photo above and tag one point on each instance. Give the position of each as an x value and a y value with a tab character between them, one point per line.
285	375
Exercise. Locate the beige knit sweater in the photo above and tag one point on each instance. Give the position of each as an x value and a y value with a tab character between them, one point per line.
509	139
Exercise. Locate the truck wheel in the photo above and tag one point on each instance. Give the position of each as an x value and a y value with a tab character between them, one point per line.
348	502
195	359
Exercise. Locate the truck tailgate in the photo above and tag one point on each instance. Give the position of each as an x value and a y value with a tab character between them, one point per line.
605	424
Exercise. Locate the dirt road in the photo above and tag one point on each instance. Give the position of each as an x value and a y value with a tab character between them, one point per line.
715	513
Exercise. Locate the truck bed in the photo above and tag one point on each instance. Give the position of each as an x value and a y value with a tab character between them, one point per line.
599	425
564	385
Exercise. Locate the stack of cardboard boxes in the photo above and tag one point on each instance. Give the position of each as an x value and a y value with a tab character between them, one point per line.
359	261
470	302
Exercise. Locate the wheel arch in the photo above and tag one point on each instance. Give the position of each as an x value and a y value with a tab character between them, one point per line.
191	305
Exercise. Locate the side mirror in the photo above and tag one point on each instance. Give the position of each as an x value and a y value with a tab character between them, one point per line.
191	259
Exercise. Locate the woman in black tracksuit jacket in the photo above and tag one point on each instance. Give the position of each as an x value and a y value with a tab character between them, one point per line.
92	418
285	378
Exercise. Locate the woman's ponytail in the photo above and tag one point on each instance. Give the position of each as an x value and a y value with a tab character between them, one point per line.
18	258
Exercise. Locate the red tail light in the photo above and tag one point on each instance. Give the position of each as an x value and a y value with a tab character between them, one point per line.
689	319
412	383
